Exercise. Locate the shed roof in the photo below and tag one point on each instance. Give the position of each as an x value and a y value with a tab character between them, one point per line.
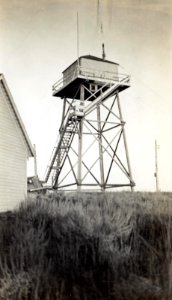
92	57
98	59
17	115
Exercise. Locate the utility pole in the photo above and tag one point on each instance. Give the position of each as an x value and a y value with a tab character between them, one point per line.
156	174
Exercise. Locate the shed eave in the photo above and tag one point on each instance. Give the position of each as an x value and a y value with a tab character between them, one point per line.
31	150
92	57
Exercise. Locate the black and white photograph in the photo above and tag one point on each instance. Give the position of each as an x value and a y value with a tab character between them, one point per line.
85	150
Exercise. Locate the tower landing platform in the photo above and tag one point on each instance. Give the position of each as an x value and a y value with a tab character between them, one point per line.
92	79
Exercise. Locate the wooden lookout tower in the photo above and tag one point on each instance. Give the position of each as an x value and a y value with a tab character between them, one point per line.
91	152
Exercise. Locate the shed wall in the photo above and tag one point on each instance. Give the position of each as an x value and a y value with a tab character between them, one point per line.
70	73
101	66
91	67
13	158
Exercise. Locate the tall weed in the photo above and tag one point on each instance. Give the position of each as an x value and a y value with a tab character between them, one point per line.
111	246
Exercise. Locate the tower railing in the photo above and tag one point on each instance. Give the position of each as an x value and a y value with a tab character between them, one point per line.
88	73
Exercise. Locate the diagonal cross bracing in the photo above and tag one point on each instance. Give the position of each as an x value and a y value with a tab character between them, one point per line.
76	129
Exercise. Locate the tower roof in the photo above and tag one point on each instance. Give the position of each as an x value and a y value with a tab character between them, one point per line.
17	115
98	59
92	57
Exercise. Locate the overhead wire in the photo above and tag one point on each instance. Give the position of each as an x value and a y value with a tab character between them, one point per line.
101	32
20	45
143	83
140	97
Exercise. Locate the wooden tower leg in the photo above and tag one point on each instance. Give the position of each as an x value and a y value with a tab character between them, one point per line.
80	136
125	143
80	140
100	149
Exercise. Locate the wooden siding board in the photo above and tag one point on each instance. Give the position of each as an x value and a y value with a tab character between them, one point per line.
99	65
13	158
6	92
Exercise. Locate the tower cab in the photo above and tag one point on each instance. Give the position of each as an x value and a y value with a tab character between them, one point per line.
95	73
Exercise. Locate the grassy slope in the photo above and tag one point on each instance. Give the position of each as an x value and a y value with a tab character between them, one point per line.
87	246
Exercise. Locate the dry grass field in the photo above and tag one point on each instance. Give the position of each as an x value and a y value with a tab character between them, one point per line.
88	246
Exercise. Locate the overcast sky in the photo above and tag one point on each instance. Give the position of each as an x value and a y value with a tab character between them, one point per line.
38	41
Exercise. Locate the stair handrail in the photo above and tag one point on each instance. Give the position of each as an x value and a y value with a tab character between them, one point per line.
55	151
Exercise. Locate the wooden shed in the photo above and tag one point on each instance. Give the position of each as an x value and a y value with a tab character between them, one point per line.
91	71
92	66
15	149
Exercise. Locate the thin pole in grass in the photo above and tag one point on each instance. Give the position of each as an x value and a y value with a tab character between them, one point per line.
156	174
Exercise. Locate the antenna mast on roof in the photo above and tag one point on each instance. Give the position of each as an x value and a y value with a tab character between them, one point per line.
100	26
78	38
98	14
103	52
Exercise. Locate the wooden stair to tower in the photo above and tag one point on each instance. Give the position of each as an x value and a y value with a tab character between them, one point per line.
65	143
61	149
